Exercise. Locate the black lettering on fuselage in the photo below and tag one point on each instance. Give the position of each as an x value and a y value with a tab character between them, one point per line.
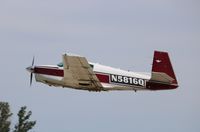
127	80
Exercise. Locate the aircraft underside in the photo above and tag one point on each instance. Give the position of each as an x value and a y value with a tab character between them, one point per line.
58	82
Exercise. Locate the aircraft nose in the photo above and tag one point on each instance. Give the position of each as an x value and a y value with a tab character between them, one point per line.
30	69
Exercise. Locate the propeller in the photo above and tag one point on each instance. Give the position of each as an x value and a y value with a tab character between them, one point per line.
33	61
31	79
31	70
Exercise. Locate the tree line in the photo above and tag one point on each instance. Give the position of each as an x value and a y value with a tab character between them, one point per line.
23	125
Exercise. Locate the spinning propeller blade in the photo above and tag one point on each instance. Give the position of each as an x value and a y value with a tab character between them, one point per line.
31	70
33	61
31	79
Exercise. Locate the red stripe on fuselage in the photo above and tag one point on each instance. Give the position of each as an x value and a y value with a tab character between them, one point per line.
49	71
103	78
60	73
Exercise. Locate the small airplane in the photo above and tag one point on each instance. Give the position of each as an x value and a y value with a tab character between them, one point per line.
77	73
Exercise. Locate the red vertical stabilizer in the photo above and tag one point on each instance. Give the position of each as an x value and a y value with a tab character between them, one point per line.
162	71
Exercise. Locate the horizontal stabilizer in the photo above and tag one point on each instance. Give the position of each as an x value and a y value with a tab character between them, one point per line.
161	77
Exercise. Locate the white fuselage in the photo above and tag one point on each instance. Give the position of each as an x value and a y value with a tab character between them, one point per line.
110	78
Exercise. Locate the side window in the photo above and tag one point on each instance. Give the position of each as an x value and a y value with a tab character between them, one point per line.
60	64
92	66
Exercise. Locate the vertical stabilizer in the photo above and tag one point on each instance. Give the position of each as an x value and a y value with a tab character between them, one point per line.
162	69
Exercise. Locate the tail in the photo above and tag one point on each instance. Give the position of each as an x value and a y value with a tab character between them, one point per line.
162	70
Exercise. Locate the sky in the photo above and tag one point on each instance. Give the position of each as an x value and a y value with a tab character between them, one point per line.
122	34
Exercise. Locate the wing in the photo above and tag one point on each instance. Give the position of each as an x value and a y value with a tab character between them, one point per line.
79	74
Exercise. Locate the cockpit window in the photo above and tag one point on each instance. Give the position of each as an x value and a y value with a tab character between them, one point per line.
60	64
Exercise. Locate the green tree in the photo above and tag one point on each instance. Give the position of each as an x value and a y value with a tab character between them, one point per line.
24	125
5	115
